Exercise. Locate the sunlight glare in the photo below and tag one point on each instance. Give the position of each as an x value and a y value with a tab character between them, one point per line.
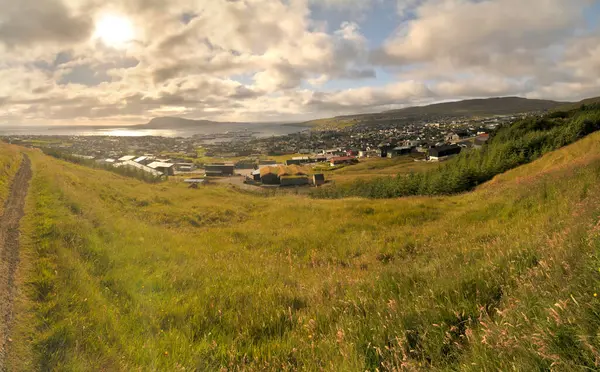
114	31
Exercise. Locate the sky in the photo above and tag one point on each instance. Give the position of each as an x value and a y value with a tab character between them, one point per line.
117	62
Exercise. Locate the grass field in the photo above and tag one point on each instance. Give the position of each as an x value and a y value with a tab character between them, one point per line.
123	275
377	167
10	159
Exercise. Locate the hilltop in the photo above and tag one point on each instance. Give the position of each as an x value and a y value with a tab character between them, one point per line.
470	108
571	106
467	108
170	122
480	107
118	274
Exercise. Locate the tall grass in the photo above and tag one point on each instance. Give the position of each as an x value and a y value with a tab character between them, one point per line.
10	160
122	275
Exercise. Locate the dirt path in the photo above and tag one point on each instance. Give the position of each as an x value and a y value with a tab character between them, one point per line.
9	251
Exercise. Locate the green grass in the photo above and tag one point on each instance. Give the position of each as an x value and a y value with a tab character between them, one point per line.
10	159
370	168
123	275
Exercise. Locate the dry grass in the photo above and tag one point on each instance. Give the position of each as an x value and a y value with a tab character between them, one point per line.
122	275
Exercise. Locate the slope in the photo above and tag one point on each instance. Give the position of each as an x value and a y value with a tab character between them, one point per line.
575	105
121	275
10	159
466	108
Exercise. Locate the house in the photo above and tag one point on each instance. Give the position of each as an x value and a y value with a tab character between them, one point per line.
383	150
269	175
219	169
283	175
132	164
318	179
245	164
457	136
255	175
185	167
298	160
444	152
293	180
145	160
481	140
399	151
126	158
168	169
342	160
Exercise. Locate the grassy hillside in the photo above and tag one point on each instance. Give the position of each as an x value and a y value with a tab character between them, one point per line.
466	108
10	159
576	105
371	168
481	107
123	275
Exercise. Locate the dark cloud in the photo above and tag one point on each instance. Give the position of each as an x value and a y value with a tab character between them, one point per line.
27	22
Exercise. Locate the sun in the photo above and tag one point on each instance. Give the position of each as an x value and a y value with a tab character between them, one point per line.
114	30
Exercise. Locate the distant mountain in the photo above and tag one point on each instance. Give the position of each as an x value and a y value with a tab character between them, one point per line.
571	106
467	108
169	122
481	107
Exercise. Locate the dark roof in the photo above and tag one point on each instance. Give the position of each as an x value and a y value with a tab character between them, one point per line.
319	177
445	150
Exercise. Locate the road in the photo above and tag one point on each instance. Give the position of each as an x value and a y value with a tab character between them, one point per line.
9	251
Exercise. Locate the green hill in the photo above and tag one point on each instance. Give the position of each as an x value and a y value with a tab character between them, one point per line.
118	274
480	107
466	108
575	105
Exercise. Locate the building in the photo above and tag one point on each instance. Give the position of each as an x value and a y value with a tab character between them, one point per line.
275	175
481	140
132	164
245	164
457	136
126	158
342	160
442	153
399	151
256	175
298	160
219	170
318	179
383	150
143	160
293	180
168	169
185	167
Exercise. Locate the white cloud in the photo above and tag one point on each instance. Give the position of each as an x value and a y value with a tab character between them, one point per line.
235	60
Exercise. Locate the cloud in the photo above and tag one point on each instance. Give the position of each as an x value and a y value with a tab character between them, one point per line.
271	60
27	22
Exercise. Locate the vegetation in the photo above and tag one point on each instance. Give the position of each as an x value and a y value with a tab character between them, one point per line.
124	171
374	168
122	275
511	146
10	159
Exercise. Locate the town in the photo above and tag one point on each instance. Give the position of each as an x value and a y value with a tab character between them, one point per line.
289	160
